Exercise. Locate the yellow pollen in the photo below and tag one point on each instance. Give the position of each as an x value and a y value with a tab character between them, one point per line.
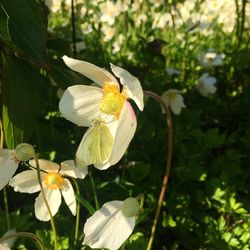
112	100
53	180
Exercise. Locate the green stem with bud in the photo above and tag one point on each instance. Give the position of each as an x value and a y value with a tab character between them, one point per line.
25	234
52	222
168	164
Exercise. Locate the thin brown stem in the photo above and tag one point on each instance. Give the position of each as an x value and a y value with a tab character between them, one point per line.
168	164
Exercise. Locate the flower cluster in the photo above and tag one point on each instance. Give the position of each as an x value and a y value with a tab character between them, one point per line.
111	123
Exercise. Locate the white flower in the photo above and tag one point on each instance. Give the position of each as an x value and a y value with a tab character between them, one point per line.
108	32
104	109
110	226
8	166
205	85
55	185
173	99
211	59
7	244
110	11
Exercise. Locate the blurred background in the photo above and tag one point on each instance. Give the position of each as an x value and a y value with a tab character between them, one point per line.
168	44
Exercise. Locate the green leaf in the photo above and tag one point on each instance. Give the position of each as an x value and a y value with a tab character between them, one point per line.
23	24
20	98
85	203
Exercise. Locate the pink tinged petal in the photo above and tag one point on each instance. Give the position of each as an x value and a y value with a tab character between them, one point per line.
69	195
8	166
124	133
25	182
80	104
108	227
131	85
68	168
45	165
53	198
91	71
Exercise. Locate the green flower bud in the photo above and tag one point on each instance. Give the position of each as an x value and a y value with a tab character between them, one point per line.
24	152
130	207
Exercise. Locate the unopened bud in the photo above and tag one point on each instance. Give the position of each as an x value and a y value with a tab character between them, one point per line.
24	152
130	207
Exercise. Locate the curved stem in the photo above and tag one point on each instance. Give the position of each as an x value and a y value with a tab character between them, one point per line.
77	213
25	234
168	164
52	222
94	189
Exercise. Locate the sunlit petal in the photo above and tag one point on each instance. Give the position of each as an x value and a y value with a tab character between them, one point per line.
80	104
25	182
69	195
53	198
124	133
8	166
131	85
108	227
91	71
68	168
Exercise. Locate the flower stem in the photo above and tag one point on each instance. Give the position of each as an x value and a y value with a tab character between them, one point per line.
94	190
6	206
77	213
52	222
25	234
168	164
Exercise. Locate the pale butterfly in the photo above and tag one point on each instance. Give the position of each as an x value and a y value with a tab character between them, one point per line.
96	145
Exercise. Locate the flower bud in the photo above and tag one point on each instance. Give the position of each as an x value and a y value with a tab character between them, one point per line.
24	152
130	207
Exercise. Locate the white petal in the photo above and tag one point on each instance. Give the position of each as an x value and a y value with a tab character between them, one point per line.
80	104
177	104
108	227
8	166
9	242
131	85
68	168
124	133
53	198
25	182
45	165
91	71
69	195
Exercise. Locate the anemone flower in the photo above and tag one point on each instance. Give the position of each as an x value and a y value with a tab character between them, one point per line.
55	184
174	99
8	166
205	85
105	110
111	225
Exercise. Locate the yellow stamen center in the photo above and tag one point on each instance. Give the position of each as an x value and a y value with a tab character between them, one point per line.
53	180
112	100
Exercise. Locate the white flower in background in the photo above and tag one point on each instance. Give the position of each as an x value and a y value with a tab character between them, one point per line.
7	244
205	85
8	166
172	71
105	110
116	46
140	19
55	185
174	100
211	58
110	226
108	32
80	46
110	11
54	5
161	20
